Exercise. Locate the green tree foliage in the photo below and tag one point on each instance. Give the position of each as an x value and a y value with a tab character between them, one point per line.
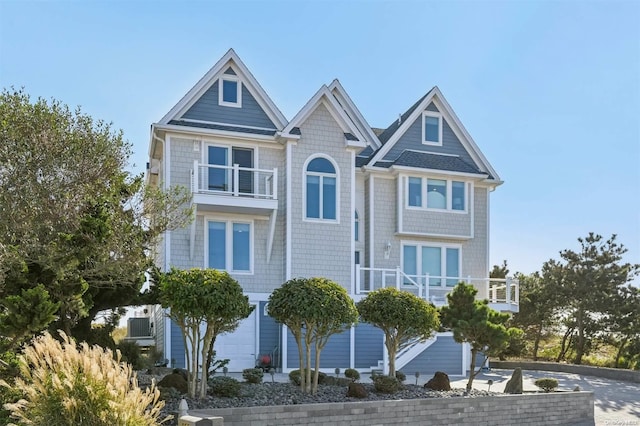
623	319
474	322
538	309
403	317
499	271
589	282
24	315
205	303
313	309
70	219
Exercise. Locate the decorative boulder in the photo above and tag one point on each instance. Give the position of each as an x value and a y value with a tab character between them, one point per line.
174	380
439	382
356	390
514	385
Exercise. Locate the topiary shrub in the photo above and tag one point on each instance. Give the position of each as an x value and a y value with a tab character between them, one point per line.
547	384
225	386
253	375
401	376
386	384
294	377
352	373
68	384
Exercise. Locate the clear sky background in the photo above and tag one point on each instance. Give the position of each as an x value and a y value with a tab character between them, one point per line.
549	90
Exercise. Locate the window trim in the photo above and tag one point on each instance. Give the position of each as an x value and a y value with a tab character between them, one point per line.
443	257
305	173
449	188
221	100
356	225
424	132
229	222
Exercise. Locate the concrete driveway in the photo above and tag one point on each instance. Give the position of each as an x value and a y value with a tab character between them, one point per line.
615	403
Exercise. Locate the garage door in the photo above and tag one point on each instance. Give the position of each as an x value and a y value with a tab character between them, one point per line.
239	346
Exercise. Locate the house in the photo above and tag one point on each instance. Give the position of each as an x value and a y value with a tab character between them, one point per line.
324	194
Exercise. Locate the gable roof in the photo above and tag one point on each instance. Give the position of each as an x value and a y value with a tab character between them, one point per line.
353	112
353	136
392	134
433	161
230	59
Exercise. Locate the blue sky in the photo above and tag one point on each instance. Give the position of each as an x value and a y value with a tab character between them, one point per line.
549	90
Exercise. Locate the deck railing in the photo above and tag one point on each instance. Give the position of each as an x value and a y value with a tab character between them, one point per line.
435	288
234	180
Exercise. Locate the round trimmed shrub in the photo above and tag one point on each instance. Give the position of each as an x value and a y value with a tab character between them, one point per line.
253	375
386	384
294	377
225	386
547	384
352	374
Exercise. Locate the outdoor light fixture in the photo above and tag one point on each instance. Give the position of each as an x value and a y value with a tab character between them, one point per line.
387	249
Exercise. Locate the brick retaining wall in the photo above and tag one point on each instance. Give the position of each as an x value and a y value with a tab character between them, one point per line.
560	408
585	370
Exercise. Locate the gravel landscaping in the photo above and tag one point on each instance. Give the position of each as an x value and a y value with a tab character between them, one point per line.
269	393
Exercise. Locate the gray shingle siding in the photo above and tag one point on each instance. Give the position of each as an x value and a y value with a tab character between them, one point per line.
207	109
443	355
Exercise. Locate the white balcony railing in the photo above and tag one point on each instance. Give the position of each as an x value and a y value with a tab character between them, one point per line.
435	288
234	181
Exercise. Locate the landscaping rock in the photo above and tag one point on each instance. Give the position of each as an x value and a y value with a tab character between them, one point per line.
439	382
174	380
514	385
357	390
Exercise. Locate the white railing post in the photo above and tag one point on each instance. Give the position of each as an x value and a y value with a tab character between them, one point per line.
398	277
274	182
236	180
489	289
194	177
508	290
427	287
357	291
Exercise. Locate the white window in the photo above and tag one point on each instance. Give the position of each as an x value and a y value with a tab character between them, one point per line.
230	245
356	227
437	194
321	193
440	263
431	128
230	91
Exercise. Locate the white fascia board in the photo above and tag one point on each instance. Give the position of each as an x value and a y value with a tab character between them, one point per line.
212	132
213	74
437	172
467	140
405	233
403	127
323	95
337	88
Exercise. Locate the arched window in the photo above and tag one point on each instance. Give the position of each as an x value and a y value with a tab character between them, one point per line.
321	181
356	228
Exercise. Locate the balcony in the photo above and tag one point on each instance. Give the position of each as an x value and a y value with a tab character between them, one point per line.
502	294
234	189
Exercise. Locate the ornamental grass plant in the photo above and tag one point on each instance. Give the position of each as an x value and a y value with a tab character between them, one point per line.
63	384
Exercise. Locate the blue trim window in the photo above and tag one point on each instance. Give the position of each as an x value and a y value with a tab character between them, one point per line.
431	128
321	178
230	92
441	264
437	194
229	245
